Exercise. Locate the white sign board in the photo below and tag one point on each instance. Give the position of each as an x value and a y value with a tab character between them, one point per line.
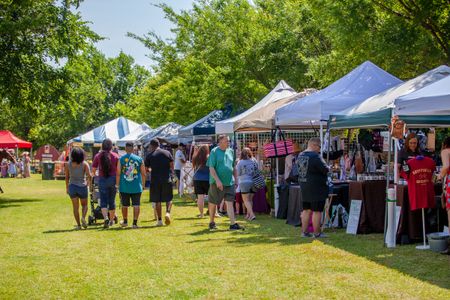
353	218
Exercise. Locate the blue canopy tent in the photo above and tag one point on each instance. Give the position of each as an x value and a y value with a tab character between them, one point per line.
206	125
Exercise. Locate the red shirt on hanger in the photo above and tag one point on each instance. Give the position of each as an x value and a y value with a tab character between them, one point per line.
420	182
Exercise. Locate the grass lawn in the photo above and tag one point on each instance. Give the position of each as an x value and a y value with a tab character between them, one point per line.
41	257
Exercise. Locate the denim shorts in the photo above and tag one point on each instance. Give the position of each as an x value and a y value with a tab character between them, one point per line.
107	188
76	191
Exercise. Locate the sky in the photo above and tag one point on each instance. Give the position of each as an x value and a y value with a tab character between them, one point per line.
112	19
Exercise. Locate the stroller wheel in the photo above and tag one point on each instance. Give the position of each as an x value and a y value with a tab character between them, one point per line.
91	220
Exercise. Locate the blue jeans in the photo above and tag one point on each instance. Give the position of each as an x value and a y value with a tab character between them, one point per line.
107	189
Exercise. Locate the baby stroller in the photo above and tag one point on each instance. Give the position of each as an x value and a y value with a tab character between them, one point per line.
96	211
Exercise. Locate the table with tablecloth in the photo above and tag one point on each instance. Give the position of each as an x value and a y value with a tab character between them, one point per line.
290	204
373	196
260	204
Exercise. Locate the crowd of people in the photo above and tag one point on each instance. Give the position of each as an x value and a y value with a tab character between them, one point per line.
218	175
21	168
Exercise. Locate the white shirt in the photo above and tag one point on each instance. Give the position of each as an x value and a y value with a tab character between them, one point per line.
179	155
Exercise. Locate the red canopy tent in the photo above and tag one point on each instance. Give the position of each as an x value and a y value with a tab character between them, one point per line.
9	140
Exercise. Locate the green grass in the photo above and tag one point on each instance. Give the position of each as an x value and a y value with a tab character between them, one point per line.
41	257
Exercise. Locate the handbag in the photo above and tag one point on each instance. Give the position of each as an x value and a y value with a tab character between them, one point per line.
257	178
279	148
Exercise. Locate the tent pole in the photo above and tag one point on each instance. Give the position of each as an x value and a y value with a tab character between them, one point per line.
321	138
388	175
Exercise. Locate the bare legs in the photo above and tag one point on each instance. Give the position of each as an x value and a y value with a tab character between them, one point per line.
201	204
248	202
316	218
75	209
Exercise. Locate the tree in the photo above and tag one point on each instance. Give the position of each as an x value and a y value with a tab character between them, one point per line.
35	36
227	52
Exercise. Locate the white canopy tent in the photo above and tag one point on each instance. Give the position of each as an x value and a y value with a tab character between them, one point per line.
362	82
432	100
134	136
264	117
282	90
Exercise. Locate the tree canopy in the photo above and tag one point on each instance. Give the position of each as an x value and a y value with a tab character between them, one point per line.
54	83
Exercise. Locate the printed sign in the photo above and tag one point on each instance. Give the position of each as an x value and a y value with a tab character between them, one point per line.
353	219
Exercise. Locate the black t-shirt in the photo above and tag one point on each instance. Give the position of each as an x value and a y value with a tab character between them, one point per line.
159	161
312	176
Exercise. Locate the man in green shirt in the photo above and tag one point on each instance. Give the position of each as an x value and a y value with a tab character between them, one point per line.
222	181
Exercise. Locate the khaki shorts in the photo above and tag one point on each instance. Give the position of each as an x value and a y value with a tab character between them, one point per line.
215	195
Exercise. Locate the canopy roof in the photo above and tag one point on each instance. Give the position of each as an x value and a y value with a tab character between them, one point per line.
433	99
377	110
206	125
9	140
281	90
167	132
113	130
362	82
134	135
264	117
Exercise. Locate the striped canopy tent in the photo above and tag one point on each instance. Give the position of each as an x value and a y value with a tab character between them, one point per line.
113	130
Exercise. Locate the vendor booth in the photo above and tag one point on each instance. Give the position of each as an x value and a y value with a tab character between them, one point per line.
313	111
410	102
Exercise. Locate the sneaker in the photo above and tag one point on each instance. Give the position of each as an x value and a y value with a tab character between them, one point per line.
212	226
167	219
123	224
200	216
135	226
236	226
111	223
307	235
252	218
218	215
77	227
106	224
159	223
83	223
320	235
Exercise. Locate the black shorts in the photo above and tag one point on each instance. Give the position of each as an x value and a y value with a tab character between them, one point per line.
201	187
316	206
126	197
161	191
178	174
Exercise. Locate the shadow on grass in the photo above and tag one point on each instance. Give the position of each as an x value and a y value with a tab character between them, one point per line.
98	227
8	202
426	266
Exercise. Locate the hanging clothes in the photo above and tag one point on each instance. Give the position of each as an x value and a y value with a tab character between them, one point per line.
420	183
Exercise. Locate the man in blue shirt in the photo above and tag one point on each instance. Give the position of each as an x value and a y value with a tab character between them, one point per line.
130	179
